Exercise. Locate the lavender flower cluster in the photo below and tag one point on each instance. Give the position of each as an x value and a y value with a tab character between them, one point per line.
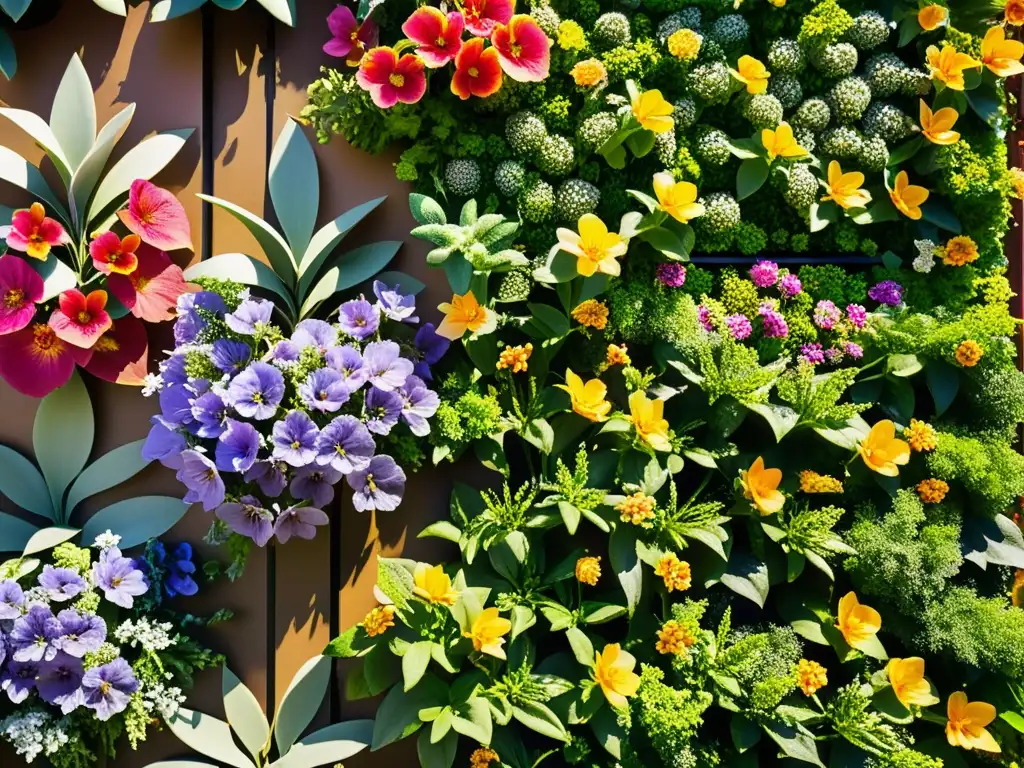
260	427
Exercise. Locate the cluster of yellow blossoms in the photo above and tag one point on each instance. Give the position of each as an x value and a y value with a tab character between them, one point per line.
674	572
637	509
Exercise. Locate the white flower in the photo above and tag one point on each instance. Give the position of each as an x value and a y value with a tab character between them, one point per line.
165	700
924	263
152	384
151	635
106	540
925	247
33	733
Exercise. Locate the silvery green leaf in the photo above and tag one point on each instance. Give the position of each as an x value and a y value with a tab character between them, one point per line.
111	469
73	116
301	702
15	8
485	224
136	520
468	215
22	483
116	7
244	714
351	268
245	270
426	210
282	10
444	235
294	183
40	132
208	736
48	538
328	745
16	170
327	238
83	180
62	436
273	245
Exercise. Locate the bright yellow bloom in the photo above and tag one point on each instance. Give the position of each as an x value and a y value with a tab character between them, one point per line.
588	570
379	620
588	399
617	355
684	44
778	3
674	638
1017	182
948	65
465	313
959	250
1017	590
781	143
752	73
1000	55
969	353
589	72
812	482
571	37
935	126
652	111
648	417
845	188
613	671
920	436
761	486
908	198
967	721
488	633
431	583
906	676
636	509
931	17
674	572
515	358
595	248
1013	12
677	198
932	490
811	677
858	623
882	451
482	757
591	314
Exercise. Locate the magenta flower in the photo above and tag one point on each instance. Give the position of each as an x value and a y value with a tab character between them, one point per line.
300	522
857	314
775	325
35	362
438	36
156	216
34	233
20	288
790	286
391	79
827	314
812	353
704	317
739	326
671	275
349	39
764	274
856	351
153	288
80	319
887	292
121	355
482	16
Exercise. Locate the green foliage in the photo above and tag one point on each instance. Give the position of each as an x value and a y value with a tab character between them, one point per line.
816	397
732	368
665	717
990	470
983	631
848	711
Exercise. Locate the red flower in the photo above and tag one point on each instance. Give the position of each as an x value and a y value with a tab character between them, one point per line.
34	233
438	36
483	15
477	71
151	292
156	216
35	361
121	354
81	319
523	49
112	254
350	39
390	79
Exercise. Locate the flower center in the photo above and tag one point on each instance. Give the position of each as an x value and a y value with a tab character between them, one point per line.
440	42
316	477
396	79
14	298
296	445
44	338
474	72
370	484
116	582
257	397
83	317
321	395
592	251
104	688
340	450
113	256
140	283
35	238
517	50
210	474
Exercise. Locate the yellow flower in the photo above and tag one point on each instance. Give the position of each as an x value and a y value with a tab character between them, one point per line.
379	620
617	355
948	65
752	73
595	248
778	3
761	486
858	623
811	677
587	399
1017	182
920	436
1017	591
636	509
674	572
515	358
613	671
908	198
967	721
969	353
812	482
1013	12
781	143
588	570
482	757
431	583
931	17
935	126
648	417
882	451
487	633
932	490
465	313
589	72
1000	55
684	44
959	250
571	37
592	314
844	188
652	111
906	676
677	198
674	638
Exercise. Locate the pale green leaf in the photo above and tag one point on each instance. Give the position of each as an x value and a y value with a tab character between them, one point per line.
116	7
329	745
62	436
22	483
301	701
282	10
172	9
15	8
244	714
327	238
294	185
111	469
352	268
208	736
48	538
273	245
36	127
414	663
83	180
136	520
18	171
73	116
439	755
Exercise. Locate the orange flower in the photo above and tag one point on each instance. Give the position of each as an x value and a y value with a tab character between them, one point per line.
1000	55
1013	13
858	623
674	638
379	620
761	486
515	358
948	65
959	250
969	353
752	73
920	436
882	452
465	313
636	509
589	72
618	354
1017	591
588	398
906	676
845	188
908	198
936	126
931	17
967	721
588	570
811	677
674	572
591	314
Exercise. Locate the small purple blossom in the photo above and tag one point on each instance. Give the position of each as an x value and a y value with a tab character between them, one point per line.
432	347
315	483
380	486
251	317
162	444
887	292
59	680
61	584
230	356
172	370
324	390
764	274
394	305
108	689
671	275
237	448
270	476
418	404
812	353
775	326
348	361
790	286
315	333
176	405
300	522
858	315
248	518
33	635
284	353
256	392
388	370
12	599
827	314
82	633
118	577
190	321
833	354
704	317
739	326
200	476
210	414
19	680
295	439
382	410
359	319
178	567
345	444
856	351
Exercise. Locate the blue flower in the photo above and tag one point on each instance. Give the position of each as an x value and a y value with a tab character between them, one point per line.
61	584
252	316
163	444
393	304
295	439
210	413
324	390
179	568
108	689
237	448
230	356
257	391
200	476
315	333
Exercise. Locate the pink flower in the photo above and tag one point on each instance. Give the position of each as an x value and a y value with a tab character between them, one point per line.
35	361
438	36
81	319
390	79
483	15
477	71
350	39
121	354
20	288
151	292
112	254
34	233
155	215
523	49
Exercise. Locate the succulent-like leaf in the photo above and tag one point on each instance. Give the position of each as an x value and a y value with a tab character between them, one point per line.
273	245
62	436
208	736
294	184
111	469
245	715
73	116
15	8
116	7
18	171
426	210
352	268
8	57
327	238
301	702
328	745
23	484
136	520
84	179
36	127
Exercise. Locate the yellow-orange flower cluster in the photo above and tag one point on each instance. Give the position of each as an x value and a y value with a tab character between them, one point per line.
636	509
1013	12
920	436
959	250
674	638
932	490
592	314
811	676
969	353
1017	182
588	570
812	482
483	757
674	572
379	620
618	355
589	72
684	44
515	358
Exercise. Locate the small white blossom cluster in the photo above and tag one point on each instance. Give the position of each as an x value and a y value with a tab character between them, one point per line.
925	260
152	384
164	700
106	540
33	733
151	635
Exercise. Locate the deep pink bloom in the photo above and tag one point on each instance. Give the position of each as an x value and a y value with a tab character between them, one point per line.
391	79
764	274
437	35
151	292
350	39
20	288
35	362
121	355
155	215
523	49
81	320
34	233
671	275
857	314
483	15
112	254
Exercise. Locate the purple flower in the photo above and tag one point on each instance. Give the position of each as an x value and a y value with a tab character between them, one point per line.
107	689
381	411
857	314
248	518
345	444
256	392
118	577
300	522
324	390
59	680
380	486
739	326
251	316
237	447
163	444
704	317
887	292
393	304
176	405
295	439
359	319
315	484
190	320
856	351
172	370
284	352
833	355
671	275
790	286
775	326
418	404
12	599
211	415
348	361
61	584
764	274
315	333
20	679
179	567
387	368
431	347
82	633
827	314
200	476
230	356
812	353
33	635
269	476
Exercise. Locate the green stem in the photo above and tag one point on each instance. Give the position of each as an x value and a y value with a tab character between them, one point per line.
542	757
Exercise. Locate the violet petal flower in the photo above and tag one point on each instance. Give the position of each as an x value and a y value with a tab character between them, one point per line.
315	484
394	305
12	599
210	413
172	370
230	356
324	390
295	439
284	353
59	679
248	518
359	319
269	476
251	316
107	689
82	633
790	286
33	635
200	476
300	522
432	348
348	361
257	391
887	292
118	577
315	333
387	368
671	274
61	584
237	448
163	444
382	410
380	486
739	326
418	404
19	680
345	444
190	322
176	405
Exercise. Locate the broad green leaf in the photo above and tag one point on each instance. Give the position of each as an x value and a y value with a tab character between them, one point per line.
48	538
600	613
750	177
1014	719
8	58
73	116
781	418
351	269
748	577
848	436
992	542
83	180
242	269
745	733
62	436
15	533
414	663
398	715
581	646
244	714
208	736
323	243
442	529
57	278
282	10
903	365
823	214
609	733
938	212
426	210
540	719
15	8
18	171
36	127
273	245
136	520
172	9
111	469
943	382
796	743
549	319
301	702
628	568
473	719
21	482
294	184
439	755
329	745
